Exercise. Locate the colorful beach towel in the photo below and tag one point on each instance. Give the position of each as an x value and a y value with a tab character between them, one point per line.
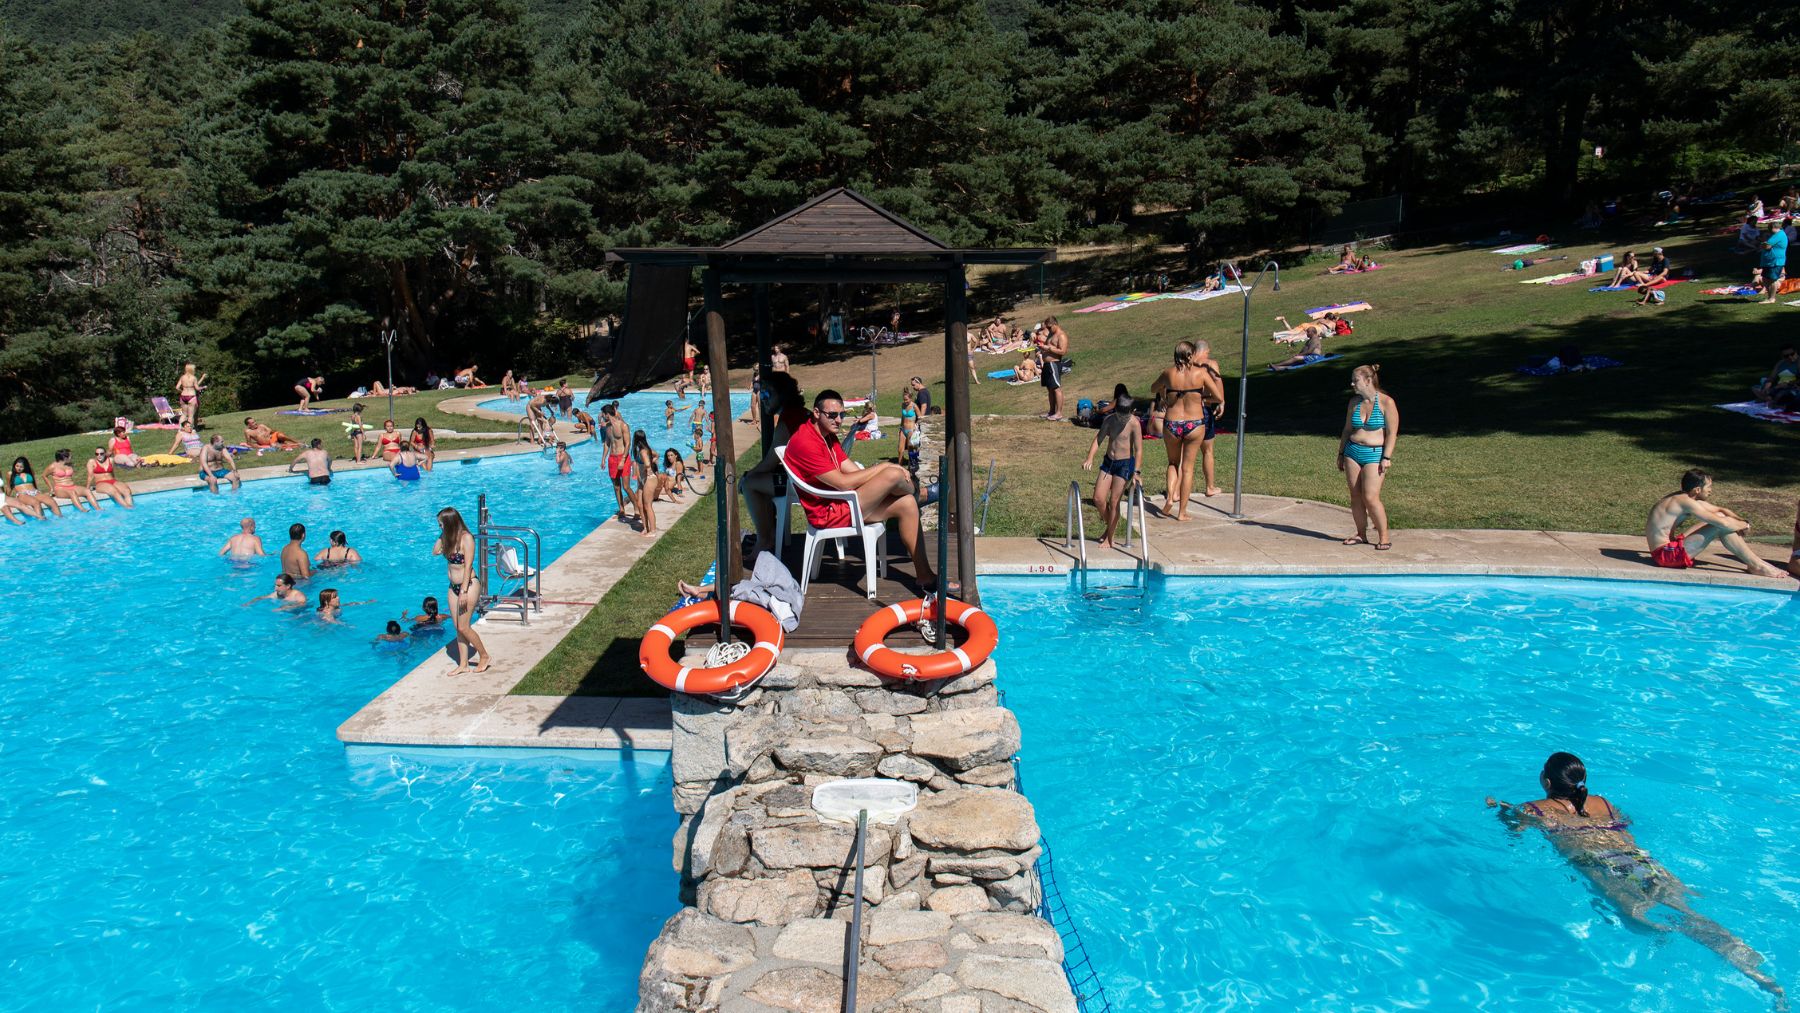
1097	307
1732	290
311	411
1002	374
1513	251
1625	288
685	600
1569	279
1612	288
1554	367
1553	279
1339	308
1758	410
1197	295
1303	365
1355	270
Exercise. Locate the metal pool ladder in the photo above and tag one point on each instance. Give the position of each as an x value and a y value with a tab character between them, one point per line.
1135	498
1076	524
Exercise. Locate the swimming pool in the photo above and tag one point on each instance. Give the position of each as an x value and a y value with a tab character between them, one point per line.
643	410
180	829
1291	813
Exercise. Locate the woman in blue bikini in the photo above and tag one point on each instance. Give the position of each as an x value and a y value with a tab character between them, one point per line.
1366	452
1599	846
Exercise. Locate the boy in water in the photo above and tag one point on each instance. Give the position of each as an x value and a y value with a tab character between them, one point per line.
564	464
394	634
698	420
245	544
1712	523
1123	436
668	415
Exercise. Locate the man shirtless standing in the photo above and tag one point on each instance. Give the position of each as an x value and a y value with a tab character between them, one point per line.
618	454
316	461
245	544
1053	343
1123	437
294	560
1674	550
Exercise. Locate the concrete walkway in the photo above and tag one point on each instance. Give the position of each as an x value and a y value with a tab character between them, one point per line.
1288	536
430	707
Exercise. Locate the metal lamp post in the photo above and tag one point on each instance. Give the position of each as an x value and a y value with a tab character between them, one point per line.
1237	493
387	338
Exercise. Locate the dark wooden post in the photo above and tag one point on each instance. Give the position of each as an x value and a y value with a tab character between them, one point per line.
761	294
956	419
731	564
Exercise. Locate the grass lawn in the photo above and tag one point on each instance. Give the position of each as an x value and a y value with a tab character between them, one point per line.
301	427
1481	445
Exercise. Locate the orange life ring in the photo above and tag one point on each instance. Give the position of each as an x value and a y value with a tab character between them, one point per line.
653	654
984	636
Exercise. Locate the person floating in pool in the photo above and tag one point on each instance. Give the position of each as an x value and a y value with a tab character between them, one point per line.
286	596
244	545
429	619
1591	834
1675	549
331	607
394	634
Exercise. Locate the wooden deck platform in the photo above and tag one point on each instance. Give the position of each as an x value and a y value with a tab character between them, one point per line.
837	603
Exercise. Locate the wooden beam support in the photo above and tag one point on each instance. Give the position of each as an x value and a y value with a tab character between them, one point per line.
760	297
956	440
729	553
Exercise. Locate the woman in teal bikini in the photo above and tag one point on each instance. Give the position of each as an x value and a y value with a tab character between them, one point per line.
1366	452
1592	835
22	486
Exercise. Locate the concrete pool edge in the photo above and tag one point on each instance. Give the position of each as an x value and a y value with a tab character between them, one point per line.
427	707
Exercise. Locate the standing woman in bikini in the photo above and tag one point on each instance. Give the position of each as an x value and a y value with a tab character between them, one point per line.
1188	392
22	486
457	546
1366	452
644	459
187	391
62	482
100	478
424	443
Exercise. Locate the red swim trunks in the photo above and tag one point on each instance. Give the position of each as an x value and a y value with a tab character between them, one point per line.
618	466
1673	556
689	363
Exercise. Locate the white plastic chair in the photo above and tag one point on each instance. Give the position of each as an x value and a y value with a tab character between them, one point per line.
873	560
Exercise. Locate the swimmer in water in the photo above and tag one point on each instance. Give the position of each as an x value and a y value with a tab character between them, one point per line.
245	544
394	634
1591	834
429	618
337	553
286	596
564	464
331	608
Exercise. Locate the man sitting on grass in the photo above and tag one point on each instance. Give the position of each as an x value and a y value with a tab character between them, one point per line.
884	490
1712	523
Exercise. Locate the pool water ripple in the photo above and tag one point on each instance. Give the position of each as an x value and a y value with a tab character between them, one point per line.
179	827
1292	817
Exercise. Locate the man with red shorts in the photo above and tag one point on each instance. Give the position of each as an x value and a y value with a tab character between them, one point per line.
618	455
815	453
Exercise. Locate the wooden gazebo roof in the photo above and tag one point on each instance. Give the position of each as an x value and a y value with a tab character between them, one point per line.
836	225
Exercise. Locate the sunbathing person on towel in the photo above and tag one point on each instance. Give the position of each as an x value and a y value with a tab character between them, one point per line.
1289	334
258	435
1309	353
1627	272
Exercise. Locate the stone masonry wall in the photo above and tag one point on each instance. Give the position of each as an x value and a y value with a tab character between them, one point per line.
952	888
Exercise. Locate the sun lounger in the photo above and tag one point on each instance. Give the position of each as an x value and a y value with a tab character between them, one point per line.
164	413
1513	251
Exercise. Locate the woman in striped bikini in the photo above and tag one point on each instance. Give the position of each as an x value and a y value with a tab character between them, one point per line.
1366	452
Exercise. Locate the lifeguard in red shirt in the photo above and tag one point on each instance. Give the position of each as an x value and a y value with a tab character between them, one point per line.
884	490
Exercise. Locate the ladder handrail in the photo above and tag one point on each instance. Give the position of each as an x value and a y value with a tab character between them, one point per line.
1076	522
1136	497
853	949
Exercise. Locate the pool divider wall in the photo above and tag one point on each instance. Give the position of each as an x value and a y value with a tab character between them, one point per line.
951	889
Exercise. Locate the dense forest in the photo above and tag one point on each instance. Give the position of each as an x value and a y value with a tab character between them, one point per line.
264	186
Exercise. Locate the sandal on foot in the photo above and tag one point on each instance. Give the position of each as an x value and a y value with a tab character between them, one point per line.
1356	540
1383	546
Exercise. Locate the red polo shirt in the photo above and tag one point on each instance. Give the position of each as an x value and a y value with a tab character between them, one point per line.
810	456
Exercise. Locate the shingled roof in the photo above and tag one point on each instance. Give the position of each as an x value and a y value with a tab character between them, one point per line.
837	221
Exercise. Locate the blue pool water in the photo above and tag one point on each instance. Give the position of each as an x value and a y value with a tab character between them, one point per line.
644	410
180	829
1291	813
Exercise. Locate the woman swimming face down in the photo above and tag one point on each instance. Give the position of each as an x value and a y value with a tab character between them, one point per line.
1564	778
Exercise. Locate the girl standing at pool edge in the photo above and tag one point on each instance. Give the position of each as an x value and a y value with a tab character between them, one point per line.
1366	452
457	546
1602	849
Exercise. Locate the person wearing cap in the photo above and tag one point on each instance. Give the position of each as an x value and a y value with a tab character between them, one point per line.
1652	276
1774	261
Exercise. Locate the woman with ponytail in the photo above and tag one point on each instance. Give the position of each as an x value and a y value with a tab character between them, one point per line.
1592	836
